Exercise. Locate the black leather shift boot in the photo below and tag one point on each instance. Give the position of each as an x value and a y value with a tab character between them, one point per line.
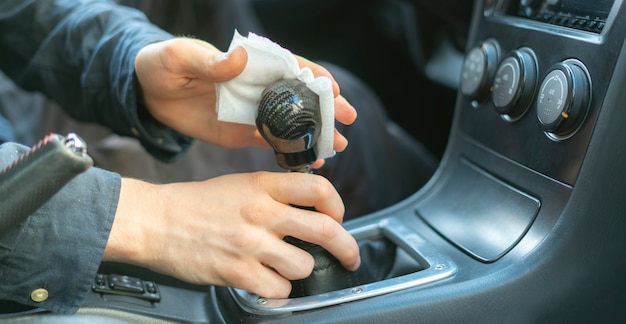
377	258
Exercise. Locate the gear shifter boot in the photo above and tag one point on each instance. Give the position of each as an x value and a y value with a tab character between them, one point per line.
328	273
378	257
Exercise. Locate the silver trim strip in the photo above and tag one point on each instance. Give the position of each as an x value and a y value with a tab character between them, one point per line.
437	266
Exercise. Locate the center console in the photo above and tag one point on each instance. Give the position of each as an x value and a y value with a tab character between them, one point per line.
534	79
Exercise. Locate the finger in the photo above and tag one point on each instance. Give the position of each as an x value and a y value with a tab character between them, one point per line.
227	66
203	61
302	189
317	228
345	113
318	164
288	260
340	142
318	70
259	279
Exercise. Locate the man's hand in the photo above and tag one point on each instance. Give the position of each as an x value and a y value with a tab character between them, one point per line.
228	230
178	79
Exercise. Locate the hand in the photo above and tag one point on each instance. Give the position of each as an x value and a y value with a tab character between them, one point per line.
228	230
178	79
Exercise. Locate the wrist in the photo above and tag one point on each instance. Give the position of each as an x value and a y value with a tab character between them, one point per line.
129	240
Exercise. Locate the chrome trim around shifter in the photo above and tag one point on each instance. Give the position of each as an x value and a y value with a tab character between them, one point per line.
436	267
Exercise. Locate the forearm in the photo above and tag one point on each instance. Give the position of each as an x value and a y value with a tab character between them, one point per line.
81	54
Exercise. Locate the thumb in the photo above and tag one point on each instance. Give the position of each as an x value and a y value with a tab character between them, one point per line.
224	67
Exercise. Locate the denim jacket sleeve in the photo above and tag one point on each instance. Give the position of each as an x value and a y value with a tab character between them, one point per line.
57	250
81	54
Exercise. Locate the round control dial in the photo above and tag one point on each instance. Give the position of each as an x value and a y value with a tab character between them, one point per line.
564	98
514	84
478	69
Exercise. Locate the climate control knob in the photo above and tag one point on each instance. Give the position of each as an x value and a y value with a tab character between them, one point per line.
479	66
514	84
564	98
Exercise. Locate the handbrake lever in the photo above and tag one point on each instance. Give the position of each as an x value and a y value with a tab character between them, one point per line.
33	178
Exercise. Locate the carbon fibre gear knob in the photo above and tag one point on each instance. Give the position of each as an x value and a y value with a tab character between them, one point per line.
289	119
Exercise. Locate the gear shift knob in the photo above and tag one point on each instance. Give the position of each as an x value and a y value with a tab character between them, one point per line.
289	119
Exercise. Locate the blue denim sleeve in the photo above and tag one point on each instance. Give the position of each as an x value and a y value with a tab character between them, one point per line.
51	259
81	54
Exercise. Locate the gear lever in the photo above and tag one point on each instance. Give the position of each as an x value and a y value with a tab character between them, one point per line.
289	119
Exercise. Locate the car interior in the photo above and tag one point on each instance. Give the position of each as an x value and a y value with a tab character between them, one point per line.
523	220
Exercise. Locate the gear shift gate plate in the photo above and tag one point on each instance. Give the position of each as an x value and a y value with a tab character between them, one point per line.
434	266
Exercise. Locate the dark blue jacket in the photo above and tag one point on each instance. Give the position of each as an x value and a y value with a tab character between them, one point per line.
80	53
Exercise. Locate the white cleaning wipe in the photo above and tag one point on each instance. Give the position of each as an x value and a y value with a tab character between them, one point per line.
238	99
